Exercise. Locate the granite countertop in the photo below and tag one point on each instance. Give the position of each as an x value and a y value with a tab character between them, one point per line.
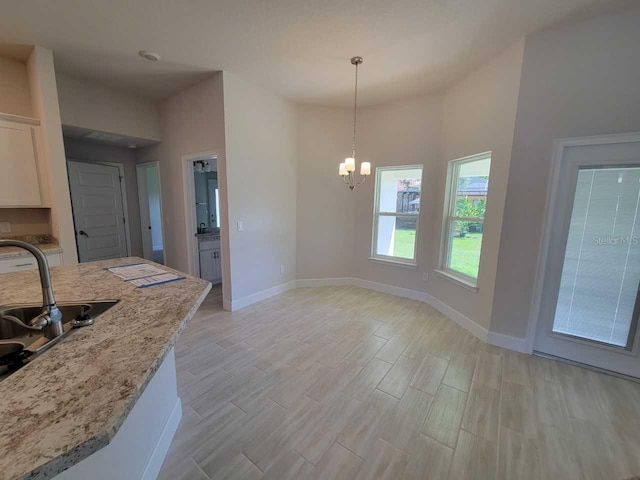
15	252
71	400
203	237
44	241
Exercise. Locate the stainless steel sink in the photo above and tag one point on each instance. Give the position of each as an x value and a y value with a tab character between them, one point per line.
19	343
8	348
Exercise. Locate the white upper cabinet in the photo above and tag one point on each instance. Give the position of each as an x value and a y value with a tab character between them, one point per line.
20	179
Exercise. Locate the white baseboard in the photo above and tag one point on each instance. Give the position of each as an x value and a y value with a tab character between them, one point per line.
325	282
164	442
462	320
512	343
262	295
442	307
507	341
492	338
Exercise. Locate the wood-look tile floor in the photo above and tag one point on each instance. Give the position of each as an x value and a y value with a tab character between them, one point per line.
333	383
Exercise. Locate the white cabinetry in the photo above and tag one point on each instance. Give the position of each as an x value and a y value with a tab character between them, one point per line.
21	182
210	261
211	265
27	262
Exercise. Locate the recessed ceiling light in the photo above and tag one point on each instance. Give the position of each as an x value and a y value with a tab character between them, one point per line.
147	55
132	145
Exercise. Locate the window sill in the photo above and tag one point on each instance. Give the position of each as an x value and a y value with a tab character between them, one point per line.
459	280
397	263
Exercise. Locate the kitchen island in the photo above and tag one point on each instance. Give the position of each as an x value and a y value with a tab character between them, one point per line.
105	397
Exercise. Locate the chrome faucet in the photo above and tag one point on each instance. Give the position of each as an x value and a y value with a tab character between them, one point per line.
50	320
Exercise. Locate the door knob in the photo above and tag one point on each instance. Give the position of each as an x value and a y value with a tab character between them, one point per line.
82	232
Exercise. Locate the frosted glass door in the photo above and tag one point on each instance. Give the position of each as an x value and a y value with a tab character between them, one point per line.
587	307
601	270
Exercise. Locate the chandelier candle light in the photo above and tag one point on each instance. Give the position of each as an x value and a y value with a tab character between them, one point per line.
348	167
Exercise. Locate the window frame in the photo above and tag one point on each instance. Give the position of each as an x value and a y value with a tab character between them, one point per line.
376	257
448	217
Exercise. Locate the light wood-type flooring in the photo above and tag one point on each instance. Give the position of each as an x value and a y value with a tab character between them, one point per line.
347	383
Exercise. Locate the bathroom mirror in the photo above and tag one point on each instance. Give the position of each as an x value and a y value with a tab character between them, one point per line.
207	195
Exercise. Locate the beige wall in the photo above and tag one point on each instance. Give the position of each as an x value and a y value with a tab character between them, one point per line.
93	152
42	85
260	144
576	80
335	225
478	116
325	207
26	221
89	105
192	122
280	162
257	174
15	97
398	133
579	80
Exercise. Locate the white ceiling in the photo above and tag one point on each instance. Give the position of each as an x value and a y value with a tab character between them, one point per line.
299	49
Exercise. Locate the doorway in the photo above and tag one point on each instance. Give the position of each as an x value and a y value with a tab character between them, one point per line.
590	300
205	208
207	212
98	211
150	201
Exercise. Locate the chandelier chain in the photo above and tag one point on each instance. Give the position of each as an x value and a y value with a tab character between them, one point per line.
355	112
347	169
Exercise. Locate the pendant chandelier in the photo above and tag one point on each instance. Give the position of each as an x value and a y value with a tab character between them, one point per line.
347	168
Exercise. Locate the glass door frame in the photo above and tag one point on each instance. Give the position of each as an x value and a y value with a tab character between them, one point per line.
567	160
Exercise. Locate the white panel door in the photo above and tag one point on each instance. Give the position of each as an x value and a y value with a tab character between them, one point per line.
145	217
149	197
19	181
590	296
98	215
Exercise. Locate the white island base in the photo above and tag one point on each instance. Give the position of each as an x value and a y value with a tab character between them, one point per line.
138	449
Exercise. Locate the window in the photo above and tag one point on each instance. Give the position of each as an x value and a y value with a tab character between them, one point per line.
396	211
463	225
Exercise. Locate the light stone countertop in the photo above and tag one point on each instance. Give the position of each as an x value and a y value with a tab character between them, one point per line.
71	400
15	252
204	237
